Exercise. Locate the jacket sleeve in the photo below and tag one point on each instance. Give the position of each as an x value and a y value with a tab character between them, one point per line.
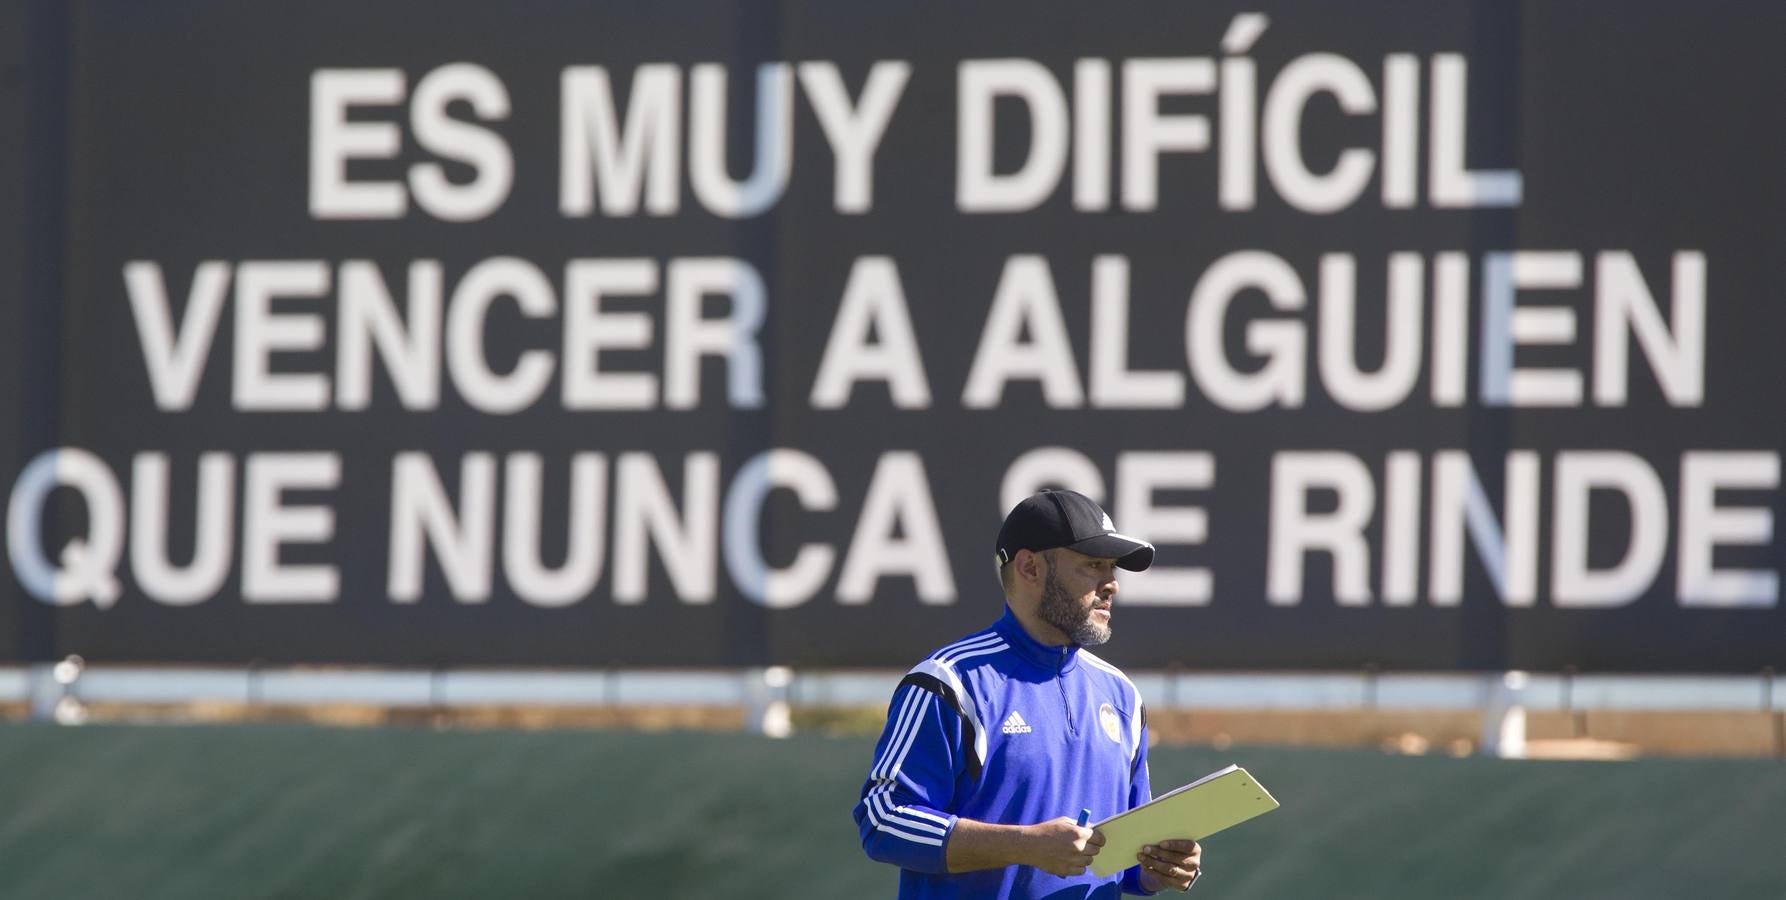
901	814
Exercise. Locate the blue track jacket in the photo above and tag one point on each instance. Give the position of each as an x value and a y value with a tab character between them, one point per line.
999	728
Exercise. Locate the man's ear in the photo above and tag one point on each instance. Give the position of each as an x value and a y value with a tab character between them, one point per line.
1029	565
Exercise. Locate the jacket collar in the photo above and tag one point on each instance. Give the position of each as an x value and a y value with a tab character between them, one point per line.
1052	659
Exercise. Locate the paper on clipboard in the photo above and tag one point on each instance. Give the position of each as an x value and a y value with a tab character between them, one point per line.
1197	810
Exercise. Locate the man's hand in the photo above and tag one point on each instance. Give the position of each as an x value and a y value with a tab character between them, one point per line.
1170	865
1061	846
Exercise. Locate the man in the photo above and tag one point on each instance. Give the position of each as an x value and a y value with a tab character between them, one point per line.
995	743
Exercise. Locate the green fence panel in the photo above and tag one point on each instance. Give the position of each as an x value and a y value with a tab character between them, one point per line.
294	812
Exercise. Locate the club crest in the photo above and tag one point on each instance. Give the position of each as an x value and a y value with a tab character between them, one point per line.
1112	723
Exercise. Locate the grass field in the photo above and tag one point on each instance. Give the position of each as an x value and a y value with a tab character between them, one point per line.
296	812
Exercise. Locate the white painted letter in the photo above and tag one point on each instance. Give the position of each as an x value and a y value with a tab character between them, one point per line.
646	515
476	146
85	566
1284	106
1113	384
1449	183
981	82
260	332
462	539
1025	298
1506	325
1705	525
873	304
527	574
794	584
588	330
409	346
774	160
856	133
688	335
268	523
334	141
485	390
1283	341
1138	476
1623	302
638	159
1459	504
1295	531
175	360
1578	474
1049	467
1392	383
212	540
898	503
1146	132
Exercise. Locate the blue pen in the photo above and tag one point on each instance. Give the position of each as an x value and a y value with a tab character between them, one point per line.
1084	817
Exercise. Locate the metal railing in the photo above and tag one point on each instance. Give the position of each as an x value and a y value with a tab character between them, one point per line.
61	691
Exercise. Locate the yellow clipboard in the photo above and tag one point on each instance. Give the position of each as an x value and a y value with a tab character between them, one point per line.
1197	810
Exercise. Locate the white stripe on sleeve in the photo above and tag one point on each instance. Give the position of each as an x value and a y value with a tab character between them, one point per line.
900	724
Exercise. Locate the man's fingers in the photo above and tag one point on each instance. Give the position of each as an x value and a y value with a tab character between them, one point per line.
1178	875
1091	841
1177	862
1161	863
1179	867
1183	860
1177	857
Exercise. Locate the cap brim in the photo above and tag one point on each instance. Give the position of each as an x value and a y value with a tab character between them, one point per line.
1130	553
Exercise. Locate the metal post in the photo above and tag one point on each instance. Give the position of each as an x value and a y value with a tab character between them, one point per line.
766	709
1578	718
1504	716
43	690
254	690
1768	681
52	692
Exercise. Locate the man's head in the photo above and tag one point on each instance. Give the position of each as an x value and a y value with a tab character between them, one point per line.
1058	553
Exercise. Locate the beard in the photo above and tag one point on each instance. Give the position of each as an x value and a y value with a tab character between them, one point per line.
1059	609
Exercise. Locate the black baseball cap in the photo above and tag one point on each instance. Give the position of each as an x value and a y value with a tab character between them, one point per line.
1072	520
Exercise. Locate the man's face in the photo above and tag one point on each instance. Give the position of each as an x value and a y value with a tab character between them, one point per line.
1077	591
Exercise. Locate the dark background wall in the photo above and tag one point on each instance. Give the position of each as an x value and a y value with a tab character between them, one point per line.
177	134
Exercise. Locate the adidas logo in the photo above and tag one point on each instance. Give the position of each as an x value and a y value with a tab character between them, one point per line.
1014	724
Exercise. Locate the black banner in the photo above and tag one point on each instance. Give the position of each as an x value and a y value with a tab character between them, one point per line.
1435	336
